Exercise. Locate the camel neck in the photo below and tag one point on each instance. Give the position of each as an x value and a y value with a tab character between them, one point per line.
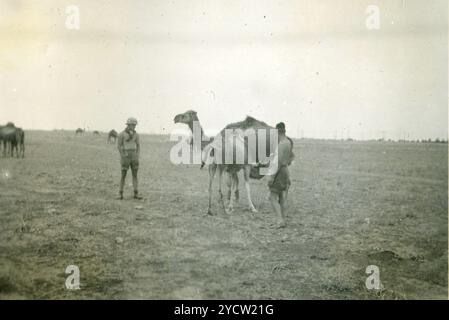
203	135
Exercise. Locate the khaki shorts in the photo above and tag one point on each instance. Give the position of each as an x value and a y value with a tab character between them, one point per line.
281	181
129	159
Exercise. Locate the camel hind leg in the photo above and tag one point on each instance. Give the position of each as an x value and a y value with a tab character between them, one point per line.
220	179
232	187
212	170
247	171
228	206
236	187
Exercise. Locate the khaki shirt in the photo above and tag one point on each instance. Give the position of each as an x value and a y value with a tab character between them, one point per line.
127	143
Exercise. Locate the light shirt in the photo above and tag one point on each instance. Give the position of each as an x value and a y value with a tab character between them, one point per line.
126	142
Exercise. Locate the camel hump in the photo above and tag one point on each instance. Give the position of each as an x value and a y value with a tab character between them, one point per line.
249	122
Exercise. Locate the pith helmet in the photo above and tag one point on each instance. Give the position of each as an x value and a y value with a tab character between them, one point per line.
131	121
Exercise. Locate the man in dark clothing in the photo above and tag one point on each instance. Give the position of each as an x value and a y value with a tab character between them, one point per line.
279	175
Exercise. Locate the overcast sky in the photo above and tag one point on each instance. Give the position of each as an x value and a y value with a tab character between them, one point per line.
310	63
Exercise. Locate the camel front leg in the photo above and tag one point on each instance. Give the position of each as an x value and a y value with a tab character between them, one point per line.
220	193
230	182
236	190
220	178
212	169
247	170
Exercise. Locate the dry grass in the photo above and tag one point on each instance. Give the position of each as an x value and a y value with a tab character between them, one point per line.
351	205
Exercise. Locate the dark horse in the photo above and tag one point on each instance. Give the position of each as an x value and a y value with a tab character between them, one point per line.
13	138
112	136
79	131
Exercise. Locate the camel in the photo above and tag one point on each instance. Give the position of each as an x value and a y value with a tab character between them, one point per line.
208	148
8	137
79	131
12	138
112	136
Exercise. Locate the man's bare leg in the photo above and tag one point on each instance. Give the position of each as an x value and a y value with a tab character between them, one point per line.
135	184
275	203
122	184
283	205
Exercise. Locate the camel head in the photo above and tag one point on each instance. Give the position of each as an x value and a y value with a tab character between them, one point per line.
187	117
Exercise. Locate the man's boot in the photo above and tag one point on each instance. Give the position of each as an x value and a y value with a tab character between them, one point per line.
136	195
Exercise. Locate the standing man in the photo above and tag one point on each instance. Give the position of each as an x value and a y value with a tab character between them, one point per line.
129	147
279	175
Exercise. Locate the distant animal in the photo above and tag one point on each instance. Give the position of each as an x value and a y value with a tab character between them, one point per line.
96	133
112	136
20	142
13	138
79	131
8	137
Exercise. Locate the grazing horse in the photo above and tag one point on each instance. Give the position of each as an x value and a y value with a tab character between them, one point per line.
12	138
112	136
96	133
79	131
8	137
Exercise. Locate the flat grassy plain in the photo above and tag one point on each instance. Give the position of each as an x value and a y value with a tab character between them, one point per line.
351	205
